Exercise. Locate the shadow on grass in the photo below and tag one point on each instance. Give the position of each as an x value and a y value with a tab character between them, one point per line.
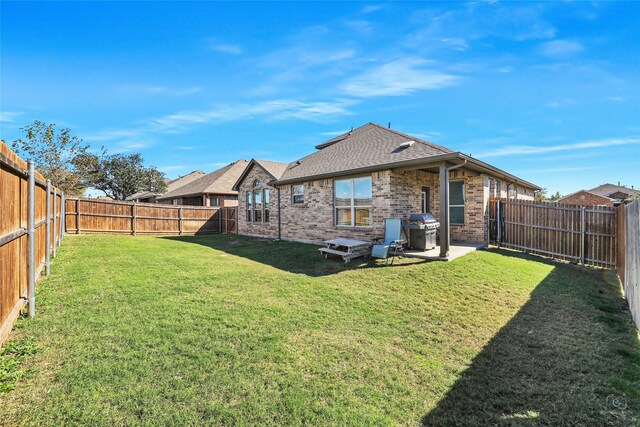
299	258
569	357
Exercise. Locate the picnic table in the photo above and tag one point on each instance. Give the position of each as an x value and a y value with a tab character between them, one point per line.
346	248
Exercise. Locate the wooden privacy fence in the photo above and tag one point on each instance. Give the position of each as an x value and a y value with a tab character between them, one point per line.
586	235
30	232
107	216
628	258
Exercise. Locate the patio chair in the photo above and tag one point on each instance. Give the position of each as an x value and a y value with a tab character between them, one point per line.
392	244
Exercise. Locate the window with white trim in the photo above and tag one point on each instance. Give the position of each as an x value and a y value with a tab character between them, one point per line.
456	202
249	205
353	202
257	206
266	205
214	201
297	193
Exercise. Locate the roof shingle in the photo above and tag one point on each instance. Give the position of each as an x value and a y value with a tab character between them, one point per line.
367	146
217	182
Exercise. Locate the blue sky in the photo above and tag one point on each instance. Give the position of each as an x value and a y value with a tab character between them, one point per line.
547	91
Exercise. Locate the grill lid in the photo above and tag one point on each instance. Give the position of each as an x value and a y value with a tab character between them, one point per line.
421	217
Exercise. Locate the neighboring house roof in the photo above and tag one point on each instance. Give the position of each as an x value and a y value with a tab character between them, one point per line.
220	181
172	184
604	198
373	147
275	169
610	190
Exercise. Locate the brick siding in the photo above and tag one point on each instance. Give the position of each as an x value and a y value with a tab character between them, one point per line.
395	195
584	198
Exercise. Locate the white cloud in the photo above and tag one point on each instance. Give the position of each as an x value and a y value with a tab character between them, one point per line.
398	77
280	109
560	48
532	150
561	103
171	168
478	22
143	89
231	49
371	8
8	116
559	170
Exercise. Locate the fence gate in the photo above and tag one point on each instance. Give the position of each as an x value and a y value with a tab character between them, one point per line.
582	234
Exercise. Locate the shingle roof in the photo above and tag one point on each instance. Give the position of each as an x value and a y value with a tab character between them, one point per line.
583	191
607	189
275	169
217	182
367	146
171	185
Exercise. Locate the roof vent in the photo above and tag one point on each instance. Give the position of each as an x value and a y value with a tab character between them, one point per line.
405	145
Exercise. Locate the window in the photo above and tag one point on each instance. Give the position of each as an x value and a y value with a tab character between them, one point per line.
456	202
490	185
353	201
214	201
497	190
256	183
297	193
266	205
425	200
249	205
257	206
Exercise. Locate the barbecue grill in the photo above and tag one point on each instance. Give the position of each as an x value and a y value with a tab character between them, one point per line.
422	231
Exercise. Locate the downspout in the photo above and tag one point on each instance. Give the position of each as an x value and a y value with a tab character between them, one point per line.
279	218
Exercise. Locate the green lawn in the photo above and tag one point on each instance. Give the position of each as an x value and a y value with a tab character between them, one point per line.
228	330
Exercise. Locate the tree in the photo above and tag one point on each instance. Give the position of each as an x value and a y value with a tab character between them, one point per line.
555	197
54	153
119	175
541	196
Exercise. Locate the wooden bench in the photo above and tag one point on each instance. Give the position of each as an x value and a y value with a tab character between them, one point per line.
352	248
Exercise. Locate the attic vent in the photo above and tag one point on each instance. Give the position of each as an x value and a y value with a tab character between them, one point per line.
405	145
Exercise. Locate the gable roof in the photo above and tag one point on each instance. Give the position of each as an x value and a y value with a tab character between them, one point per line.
609	189
171	185
367	146
217	182
373	147
585	191
274	169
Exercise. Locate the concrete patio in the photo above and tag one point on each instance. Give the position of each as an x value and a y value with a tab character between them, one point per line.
455	251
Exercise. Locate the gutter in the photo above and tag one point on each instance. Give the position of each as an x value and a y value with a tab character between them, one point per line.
415	162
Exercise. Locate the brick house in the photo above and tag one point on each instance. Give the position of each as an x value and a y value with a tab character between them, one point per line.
602	195
172	185
586	198
213	189
355	181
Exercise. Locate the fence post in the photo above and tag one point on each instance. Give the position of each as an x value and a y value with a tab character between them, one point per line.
220	220
63	216
31	236
78	215
180	220
55	229
226	221
583	232
133	219
47	226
